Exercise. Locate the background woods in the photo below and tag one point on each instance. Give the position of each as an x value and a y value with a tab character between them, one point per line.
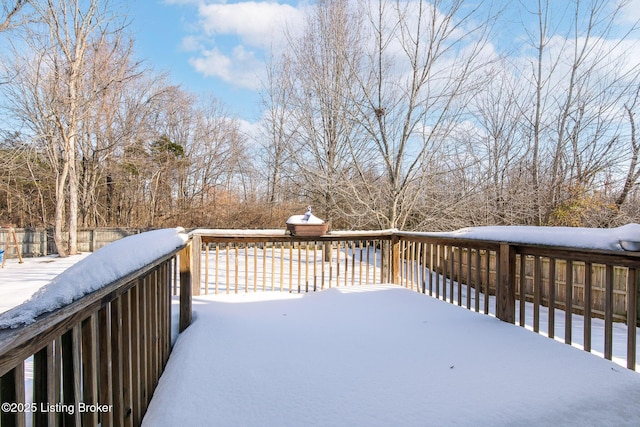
424	115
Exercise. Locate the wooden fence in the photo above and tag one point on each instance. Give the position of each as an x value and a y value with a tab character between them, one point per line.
39	241
98	360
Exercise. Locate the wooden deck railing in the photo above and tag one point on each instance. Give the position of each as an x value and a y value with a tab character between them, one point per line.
528	277
98	360
485	276
235	262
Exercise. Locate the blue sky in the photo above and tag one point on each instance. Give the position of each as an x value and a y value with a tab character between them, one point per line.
209	46
218	46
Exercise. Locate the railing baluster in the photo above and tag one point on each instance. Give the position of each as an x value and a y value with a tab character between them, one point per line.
452	273
89	369
552	298
445	259
145	337
116	357
264	267
127	383
353	263
290	267
338	264
106	378
360	264
431	268
478	280
608	312
469	274
281	264
437	270
420	272
537	293
255	268
459	276
273	266
323	247
315	266
136	392
12	390
568	309
235	268
306	267
632	307
588	273
523	289
149	337
217	268
346	263
43	385
206	268
227	267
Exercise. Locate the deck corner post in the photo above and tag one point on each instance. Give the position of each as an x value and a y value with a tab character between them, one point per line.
185	287
506	286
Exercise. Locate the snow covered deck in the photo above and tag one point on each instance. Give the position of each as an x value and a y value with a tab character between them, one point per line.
378	355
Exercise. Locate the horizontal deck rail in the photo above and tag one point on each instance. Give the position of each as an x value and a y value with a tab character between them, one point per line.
97	360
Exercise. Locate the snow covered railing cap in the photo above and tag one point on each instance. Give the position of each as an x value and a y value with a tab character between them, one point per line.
624	238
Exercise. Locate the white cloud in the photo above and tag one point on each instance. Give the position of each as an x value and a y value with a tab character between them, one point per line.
631	12
231	38
255	23
240	67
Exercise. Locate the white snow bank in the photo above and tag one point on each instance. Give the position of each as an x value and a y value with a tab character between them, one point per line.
574	237
101	268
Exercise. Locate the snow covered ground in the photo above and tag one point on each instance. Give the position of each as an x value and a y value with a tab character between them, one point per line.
19	281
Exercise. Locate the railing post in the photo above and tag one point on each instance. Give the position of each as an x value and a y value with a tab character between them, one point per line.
506	286
395	259
185	287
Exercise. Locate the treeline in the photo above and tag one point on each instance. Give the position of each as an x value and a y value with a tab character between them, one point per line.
417	115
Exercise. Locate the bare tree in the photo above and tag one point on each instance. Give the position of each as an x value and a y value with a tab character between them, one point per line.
49	94
420	72
324	136
277	130
578	77
632	177
10	11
